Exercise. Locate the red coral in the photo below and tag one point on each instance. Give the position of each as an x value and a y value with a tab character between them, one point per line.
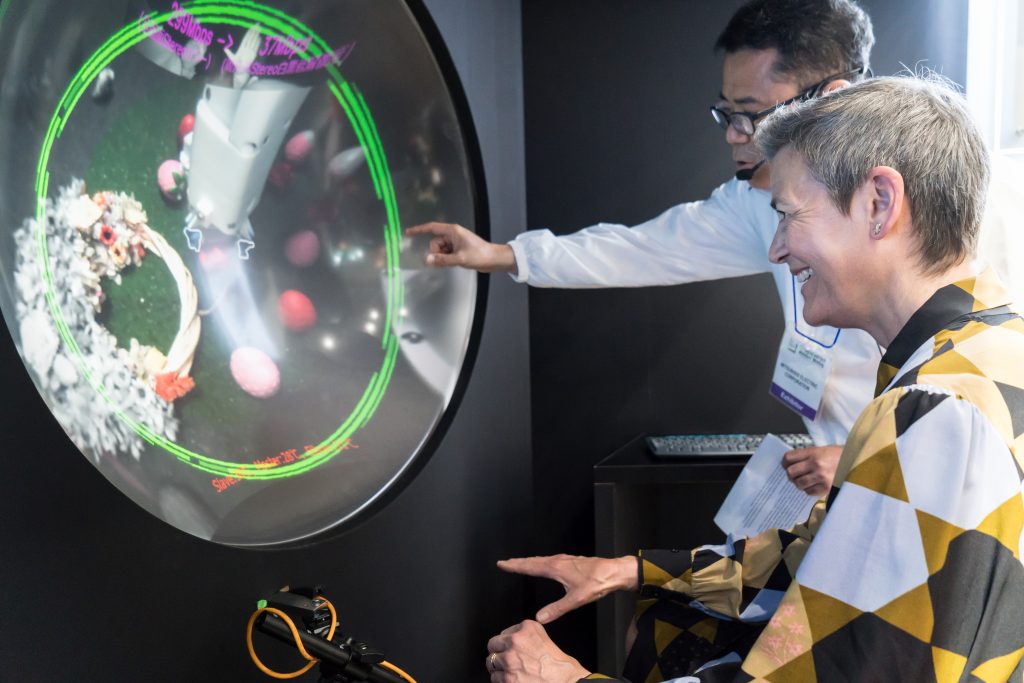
187	125
107	235
170	386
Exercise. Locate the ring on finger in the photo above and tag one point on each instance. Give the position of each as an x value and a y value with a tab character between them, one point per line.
492	662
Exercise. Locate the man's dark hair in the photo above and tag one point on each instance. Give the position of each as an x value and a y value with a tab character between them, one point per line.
815	38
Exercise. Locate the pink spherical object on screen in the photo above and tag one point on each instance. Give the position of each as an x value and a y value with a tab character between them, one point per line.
296	310
171	178
297	148
255	372
302	249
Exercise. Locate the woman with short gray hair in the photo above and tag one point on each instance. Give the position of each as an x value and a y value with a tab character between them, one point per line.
911	569
913	572
918	125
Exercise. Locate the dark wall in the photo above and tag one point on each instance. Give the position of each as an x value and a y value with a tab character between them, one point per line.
617	130
95	589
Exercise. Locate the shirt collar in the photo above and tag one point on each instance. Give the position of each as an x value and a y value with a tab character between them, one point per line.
973	294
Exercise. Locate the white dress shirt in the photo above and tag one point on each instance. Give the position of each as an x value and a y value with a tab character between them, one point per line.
726	235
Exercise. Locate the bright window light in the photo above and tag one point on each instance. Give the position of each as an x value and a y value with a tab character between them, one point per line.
995	72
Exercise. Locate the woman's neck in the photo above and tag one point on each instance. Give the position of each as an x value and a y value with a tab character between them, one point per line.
907	292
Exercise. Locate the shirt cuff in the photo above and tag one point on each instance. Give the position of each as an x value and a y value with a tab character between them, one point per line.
522	273
659	567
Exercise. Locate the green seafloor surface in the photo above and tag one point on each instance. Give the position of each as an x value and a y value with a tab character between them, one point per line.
145	306
217	417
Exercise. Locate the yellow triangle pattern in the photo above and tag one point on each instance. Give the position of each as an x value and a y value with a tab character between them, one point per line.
653	574
968	331
1006	523
936	535
799	669
787	637
957	337
655	675
873	430
989	351
911	612
949	666
949	363
678	585
1017	325
882	473
664	633
979	390
998	670
825	614
706	629
884	375
988	292
756	575
967	284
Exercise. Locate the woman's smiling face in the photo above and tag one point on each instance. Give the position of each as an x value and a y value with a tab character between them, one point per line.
823	247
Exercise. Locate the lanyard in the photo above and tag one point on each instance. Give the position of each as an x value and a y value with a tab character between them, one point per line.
796	325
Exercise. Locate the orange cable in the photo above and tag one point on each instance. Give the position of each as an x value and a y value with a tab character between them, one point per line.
295	634
298	644
389	665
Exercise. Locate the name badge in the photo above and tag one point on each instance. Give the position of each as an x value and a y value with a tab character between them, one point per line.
800	374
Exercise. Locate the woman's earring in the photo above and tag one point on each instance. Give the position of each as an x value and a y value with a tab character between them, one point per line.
877	230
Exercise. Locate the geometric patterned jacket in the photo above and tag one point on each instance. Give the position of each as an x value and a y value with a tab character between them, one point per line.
915	571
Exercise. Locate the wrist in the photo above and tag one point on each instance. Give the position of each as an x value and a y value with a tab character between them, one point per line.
627	577
503	259
581	675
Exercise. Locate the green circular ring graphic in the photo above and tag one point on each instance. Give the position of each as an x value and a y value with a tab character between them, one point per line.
242	13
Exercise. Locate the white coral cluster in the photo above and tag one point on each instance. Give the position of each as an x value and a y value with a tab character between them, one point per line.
113	224
78	259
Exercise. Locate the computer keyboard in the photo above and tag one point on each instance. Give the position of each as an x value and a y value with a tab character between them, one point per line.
717	445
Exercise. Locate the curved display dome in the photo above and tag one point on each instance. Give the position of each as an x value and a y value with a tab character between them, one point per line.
202	254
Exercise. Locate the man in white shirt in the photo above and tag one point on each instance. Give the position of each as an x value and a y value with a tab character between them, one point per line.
775	51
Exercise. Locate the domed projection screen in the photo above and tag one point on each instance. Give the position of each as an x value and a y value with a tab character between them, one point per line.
202	249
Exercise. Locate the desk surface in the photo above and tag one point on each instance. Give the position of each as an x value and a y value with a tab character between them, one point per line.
633	464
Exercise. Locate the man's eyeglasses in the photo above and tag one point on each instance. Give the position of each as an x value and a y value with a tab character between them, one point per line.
742	122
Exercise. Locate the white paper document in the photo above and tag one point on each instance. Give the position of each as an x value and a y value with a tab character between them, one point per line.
763	497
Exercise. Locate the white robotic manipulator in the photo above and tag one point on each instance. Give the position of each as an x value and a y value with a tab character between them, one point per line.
228	155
